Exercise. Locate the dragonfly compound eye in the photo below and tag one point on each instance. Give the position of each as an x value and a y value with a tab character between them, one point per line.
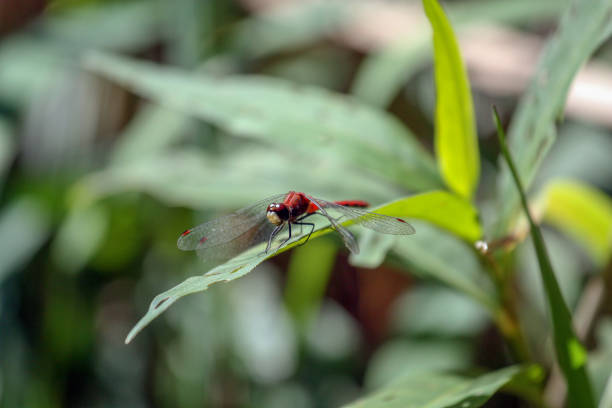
277	213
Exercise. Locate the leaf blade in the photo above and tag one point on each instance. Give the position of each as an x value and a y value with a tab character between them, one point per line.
571	355
336	126
246	262
584	25
455	140
582	212
435	390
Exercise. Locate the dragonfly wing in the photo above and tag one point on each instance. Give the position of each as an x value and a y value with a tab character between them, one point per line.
227	236
347	237
374	221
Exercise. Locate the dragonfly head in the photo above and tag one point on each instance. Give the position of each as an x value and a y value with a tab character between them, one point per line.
277	213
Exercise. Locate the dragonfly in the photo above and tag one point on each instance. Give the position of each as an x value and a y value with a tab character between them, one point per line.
276	218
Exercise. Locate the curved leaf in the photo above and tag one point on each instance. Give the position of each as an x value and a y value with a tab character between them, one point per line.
304	119
441	208
456	140
244	263
437	390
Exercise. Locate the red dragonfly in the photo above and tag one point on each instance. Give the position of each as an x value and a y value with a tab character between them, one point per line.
223	238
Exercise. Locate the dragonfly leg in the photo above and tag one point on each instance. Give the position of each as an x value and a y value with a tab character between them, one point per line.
274	234
312	227
288	238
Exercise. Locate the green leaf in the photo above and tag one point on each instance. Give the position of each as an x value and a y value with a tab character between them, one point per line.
570	353
399	358
29	67
449	313
307	120
150	133
436	390
600	363
244	263
443	209
434	254
78	238
229	271
532	130
375	247
7	149
382	74
606	398
24	227
126	26
584	213
456	139
192	178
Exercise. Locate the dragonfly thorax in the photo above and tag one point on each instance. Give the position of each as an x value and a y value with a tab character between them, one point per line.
277	213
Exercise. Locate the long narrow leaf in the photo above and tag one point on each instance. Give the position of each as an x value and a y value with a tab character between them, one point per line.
456	140
246	262
584	25
436	390
307	120
570	353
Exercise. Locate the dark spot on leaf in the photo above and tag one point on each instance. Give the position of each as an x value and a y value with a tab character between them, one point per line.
161	302
236	270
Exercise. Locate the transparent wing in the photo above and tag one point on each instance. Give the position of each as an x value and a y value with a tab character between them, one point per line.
227	236
347	237
377	222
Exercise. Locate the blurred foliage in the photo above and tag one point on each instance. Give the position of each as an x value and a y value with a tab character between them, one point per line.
122	123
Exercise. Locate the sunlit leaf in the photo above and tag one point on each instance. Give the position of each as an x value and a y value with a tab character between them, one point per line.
456	139
305	119
436	390
571	355
582	212
442	209
532	130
